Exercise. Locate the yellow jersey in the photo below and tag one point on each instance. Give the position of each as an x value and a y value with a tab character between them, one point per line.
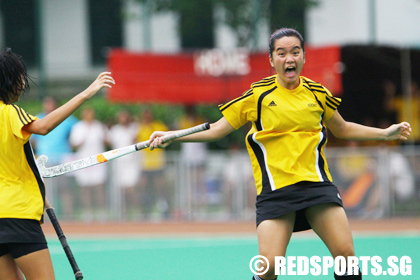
151	160
22	190
408	111
288	136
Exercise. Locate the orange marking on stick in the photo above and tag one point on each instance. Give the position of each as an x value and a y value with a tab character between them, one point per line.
101	158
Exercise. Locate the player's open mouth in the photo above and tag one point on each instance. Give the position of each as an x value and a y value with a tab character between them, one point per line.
290	71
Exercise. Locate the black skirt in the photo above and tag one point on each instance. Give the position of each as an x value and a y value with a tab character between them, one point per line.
296	198
21	231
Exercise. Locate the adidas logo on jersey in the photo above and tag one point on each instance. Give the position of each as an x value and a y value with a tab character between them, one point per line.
311	104
272	103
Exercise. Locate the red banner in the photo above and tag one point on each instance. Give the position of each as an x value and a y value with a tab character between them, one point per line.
209	76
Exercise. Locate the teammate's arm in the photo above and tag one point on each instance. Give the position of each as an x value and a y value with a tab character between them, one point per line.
52	120
217	130
353	131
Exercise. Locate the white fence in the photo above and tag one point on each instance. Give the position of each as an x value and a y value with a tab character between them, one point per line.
374	183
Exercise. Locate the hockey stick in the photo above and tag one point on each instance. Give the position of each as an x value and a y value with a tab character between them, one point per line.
48	172
50	211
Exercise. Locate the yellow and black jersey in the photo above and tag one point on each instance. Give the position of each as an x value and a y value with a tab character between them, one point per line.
287	139
22	190
151	160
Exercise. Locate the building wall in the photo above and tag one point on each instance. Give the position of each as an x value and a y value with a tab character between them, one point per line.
394	23
399	22
66	31
226	39
163	30
65	43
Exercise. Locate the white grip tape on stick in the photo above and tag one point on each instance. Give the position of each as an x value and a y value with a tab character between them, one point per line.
176	135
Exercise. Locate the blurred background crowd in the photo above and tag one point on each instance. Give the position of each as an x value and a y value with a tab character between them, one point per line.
198	181
174	61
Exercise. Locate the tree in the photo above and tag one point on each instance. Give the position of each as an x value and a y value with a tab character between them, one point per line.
197	17
284	13
243	16
196	21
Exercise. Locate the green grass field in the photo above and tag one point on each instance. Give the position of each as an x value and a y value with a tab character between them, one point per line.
208	258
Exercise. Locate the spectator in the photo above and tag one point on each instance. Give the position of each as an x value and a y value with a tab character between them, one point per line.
88	137
406	108
126	169
238	175
57	148
193	157
154	196
356	175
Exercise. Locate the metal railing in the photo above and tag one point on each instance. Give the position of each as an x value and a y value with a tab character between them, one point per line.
374	182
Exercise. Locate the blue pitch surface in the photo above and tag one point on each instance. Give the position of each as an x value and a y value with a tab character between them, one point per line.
208	258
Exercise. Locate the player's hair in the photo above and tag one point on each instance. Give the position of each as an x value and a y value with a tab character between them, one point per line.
14	77
284	32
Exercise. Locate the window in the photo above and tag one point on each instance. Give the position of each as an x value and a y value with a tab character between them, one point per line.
19	28
105	28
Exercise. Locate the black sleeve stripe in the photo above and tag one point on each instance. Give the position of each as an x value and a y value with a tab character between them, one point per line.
330	100
264	85
247	92
317	90
311	83
19	114
29	117
312	91
333	101
22	112
227	105
332	106
329	94
316	86
265	81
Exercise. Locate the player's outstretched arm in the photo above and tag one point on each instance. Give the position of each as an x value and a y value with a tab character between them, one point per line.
52	120
353	131
217	130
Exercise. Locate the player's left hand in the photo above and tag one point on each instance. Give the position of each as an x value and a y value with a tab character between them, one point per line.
398	131
156	140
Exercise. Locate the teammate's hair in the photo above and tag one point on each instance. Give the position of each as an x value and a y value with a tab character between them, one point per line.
14	77
284	32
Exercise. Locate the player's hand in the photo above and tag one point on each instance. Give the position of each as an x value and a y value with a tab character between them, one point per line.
156	140
103	80
398	131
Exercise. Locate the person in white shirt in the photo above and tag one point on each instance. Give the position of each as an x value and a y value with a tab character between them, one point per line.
126	170
88	137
